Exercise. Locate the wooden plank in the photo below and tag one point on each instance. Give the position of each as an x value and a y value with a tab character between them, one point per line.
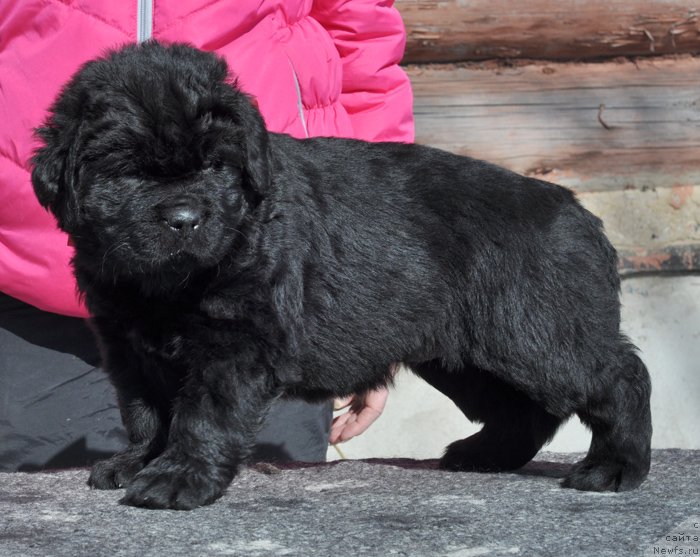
654	230
606	126
461	30
668	259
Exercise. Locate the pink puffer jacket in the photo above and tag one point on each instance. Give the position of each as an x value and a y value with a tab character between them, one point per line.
317	68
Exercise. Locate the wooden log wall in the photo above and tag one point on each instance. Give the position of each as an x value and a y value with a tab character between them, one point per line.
569	92
458	30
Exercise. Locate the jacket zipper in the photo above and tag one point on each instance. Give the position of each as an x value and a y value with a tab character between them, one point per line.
300	104
144	20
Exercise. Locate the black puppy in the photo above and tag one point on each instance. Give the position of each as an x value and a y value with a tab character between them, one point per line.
226	266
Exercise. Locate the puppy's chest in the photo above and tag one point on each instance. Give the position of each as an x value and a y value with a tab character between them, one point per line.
179	338
154	343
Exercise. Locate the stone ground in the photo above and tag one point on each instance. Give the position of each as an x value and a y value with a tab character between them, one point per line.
365	508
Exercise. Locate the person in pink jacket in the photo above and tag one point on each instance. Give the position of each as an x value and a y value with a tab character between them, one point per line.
316	68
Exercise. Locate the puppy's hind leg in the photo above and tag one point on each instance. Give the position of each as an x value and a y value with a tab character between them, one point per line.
618	413
515	427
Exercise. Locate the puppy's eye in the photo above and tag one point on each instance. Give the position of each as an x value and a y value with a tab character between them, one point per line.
214	163
231	173
205	120
234	178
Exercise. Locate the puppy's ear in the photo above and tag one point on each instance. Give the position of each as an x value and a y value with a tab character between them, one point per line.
258	160
47	175
53	175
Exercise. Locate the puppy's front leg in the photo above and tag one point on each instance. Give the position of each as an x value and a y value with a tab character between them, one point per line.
142	414
215	418
143	425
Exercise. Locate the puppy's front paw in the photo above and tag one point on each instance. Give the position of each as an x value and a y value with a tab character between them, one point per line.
168	483
117	471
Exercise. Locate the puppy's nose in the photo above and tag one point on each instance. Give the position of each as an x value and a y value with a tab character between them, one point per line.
182	217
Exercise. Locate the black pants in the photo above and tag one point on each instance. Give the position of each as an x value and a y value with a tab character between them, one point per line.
58	409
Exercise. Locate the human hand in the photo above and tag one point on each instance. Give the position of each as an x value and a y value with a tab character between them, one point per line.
363	411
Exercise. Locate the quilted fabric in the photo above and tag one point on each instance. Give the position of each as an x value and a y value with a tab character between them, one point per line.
317	68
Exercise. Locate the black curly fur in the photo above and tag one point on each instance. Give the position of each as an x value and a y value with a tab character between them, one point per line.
309	267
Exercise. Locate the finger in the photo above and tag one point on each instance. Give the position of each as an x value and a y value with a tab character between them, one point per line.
340	403
363	412
337	427
375	400
362	420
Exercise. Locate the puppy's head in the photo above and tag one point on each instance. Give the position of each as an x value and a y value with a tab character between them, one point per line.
152	160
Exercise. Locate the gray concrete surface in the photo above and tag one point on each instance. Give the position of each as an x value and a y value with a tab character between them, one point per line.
371	508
